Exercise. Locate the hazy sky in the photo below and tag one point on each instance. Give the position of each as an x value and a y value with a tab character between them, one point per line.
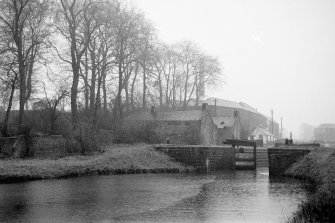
276	55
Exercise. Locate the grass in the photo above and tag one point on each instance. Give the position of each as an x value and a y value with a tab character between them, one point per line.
319	168
116	159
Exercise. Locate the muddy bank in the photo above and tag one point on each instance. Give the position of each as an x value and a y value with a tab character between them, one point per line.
318	167
116	159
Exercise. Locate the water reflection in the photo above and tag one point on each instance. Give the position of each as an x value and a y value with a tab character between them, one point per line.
220	197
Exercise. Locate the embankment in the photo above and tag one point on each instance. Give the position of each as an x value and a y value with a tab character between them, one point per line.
116	159
319	168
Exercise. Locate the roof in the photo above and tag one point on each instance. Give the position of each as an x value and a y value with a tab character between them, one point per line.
222	102
248	107
233	104
262	131
222	122
191	115
327	126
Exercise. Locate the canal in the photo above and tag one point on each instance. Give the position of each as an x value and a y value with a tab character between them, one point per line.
232	196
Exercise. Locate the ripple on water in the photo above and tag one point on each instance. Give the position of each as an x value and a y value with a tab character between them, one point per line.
229	196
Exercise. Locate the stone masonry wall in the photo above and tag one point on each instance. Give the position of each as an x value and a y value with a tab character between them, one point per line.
217	157
280	159
209	131
179	132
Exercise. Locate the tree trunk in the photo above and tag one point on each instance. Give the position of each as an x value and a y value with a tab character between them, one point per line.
127	95
132	87
97	101
74	92
4	130
160	93
117	106
86	83
104	91
22	74
93	80
144	86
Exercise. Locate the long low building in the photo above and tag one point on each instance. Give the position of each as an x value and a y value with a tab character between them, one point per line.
211	124
250	119
192	127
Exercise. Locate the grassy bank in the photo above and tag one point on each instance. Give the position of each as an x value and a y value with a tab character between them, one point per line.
116	159
319	168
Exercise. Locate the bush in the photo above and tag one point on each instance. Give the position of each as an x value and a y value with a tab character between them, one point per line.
320	207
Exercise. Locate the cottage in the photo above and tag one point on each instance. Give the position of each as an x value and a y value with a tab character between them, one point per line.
228	128
262	134
193	127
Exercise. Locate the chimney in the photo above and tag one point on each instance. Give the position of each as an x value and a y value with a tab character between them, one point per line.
204	106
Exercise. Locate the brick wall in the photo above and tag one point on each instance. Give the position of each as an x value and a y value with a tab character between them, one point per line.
217	157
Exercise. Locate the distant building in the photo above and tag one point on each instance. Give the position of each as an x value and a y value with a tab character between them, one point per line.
306	133
325	133
193	127
262	134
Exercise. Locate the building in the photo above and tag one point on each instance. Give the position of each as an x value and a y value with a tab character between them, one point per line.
190	127
228	128
262	134
325	133
249	118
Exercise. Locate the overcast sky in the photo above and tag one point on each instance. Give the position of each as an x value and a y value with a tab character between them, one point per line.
276	55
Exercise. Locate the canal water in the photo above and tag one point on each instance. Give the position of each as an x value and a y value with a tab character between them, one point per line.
234	196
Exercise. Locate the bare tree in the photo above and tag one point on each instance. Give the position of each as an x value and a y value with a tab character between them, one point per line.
126	47
25	25
8	77
76	24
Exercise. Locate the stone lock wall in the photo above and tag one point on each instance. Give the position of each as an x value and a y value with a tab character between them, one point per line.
216	157
280	159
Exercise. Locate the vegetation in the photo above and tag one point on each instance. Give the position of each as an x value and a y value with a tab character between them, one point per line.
318	167
116	159
95	59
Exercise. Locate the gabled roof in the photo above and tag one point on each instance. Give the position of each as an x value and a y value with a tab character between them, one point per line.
233	104
262	131
222	122
191	115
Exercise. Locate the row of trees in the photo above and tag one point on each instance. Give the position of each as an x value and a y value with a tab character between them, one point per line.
104	54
